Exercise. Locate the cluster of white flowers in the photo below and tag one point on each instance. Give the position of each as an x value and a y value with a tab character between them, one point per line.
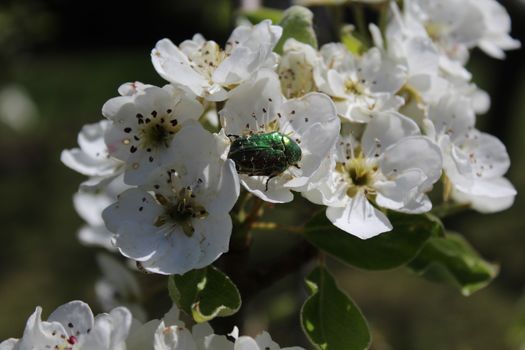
356	132
72	326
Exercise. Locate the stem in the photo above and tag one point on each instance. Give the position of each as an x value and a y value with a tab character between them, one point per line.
262	225
448	209
447	189
241	237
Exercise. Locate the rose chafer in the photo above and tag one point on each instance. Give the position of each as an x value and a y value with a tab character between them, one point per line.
268	154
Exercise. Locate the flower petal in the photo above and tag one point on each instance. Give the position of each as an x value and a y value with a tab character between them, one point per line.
75	316
173	65
385	129
359	218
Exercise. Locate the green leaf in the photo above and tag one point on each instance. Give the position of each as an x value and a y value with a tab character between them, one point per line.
452	259
297	23
263	13
329	318
385	251
205	294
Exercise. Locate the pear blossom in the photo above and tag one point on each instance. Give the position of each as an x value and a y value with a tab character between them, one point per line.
263	341
456	26
144	123
392	167
170	333
474	162
186	224
72	326
89	204
257	106
208	71
92	158
362	85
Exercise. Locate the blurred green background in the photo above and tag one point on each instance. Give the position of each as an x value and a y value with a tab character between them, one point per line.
69	57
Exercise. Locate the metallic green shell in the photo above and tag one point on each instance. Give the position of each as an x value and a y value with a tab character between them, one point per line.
267	154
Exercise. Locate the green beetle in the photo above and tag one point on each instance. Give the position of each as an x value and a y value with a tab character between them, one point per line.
268	154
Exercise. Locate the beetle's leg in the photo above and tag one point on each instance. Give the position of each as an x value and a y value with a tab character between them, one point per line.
268	180
297	166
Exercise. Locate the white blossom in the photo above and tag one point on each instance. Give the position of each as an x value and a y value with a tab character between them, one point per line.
257	106
359	86
474	162
92	158
73	327
144	124
208	71
170	333
186	223
262	341
89	204
456	26
392	167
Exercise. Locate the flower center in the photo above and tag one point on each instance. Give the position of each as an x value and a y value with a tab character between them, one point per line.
157	131
181	210
355	87
359	174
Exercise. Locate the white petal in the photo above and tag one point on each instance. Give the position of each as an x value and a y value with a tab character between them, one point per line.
385	129
251	49
214	232
141	336
110	331
229	189
252	104
276	193
451	116
175	253
422	56
501	197
415	152
130	89
173	338
173	65
120	319
133	205
90	206
200	331
359	218
92	159
96	236
313	121
40	334
8	344
490	155
172	317
75	316
217	342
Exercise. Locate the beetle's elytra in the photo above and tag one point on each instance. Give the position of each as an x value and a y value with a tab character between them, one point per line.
268	154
